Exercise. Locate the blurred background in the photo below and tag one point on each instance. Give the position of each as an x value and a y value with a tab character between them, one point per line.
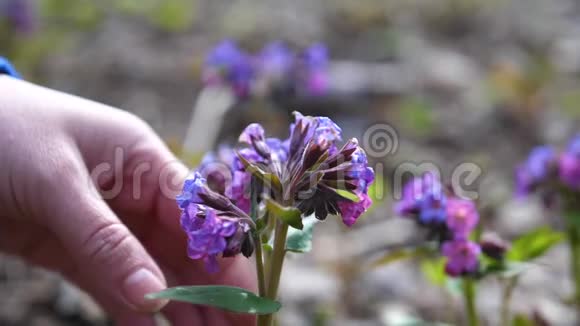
459	81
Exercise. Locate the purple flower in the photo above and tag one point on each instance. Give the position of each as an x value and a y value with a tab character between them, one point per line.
317	83
361	170
275	60
432	208
462	217
535	170
569	168
226	64
193	186
421	193
316	57
569	164
253	132
311	169
328	130
351	211
314	70
540	161
462	257
216	168
207	234
20	14
239	191
241	76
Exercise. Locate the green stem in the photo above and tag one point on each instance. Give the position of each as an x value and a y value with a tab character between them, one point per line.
574	240
469	298
277	260
508	291
260	267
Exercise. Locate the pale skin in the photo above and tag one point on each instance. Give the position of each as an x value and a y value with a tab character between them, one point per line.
119	249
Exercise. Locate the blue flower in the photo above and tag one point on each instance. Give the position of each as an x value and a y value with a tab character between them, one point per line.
193	186
275	60
207	234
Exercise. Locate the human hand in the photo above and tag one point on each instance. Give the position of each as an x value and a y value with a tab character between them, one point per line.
57	151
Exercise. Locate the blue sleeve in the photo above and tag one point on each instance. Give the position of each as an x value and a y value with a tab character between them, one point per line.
6	68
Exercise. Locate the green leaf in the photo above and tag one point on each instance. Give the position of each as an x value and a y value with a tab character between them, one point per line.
347	194
267	179
301	240
534	244
225	297
402	253
290	215
522	320
434	271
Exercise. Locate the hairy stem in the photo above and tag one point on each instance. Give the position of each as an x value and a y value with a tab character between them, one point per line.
277	260
508	290
469	298
260	267
574	240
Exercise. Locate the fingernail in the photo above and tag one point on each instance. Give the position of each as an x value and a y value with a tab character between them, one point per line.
140	283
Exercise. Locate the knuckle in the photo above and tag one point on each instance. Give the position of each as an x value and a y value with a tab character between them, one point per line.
58	168
108	245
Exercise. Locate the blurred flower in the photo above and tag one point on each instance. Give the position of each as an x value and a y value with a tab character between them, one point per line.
432	208
316	57
462	217
20	14
462	257
569	164
493	246
275	61
421	193
316	80
535	170
228	65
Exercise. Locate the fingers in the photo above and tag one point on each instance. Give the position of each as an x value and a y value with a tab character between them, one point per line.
103	248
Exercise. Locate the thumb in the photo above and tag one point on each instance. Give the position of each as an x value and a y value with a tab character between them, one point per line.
108	256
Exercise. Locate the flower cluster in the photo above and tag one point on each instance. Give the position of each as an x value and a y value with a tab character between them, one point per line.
449	219
275	67
19	14
547	170
308	171
213	224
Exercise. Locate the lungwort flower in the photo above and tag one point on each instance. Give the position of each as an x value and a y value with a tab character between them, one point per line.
462	257
448	218
309	170
537	169
228	65
316	80
214	225
462	217
423	199
569	164
20	14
